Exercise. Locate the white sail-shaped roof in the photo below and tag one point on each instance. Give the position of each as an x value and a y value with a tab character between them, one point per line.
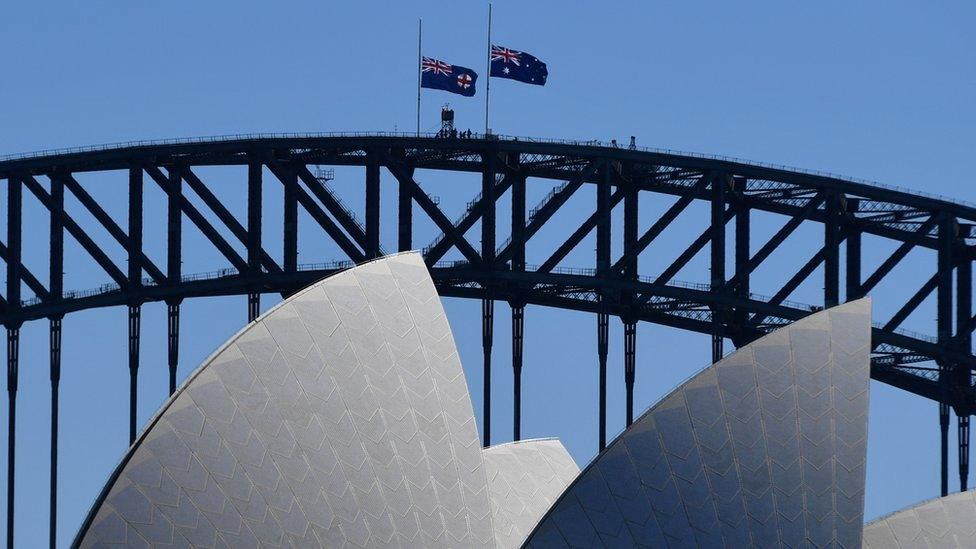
948	522
764	448
524	479
339	418
342	418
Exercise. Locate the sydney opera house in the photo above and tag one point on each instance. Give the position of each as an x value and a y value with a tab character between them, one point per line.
342	418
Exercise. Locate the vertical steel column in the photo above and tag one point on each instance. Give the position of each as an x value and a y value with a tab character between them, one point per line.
55	353
253	306
944	448
630	273
56	256
488	214
743	253
290	248
174	271
255	171
718	262
518	306
172	341
56	289
944	321
602	348
372	206
135	229
853	264
961	374
135	281
603	226
14	198
134	329
518	220
488	264
631	202
13	362
487	336
603	221
963	433
833	206
518	332
404	217
174	229
630	360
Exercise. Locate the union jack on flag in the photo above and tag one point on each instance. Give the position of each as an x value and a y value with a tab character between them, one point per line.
437	67
505	55
517	65
438	75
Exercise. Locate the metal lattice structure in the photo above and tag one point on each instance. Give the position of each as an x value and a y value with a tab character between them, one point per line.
939	367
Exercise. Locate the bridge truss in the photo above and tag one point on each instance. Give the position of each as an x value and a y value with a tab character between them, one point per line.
939	367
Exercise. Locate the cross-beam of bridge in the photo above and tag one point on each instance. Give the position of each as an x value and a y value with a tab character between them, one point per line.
937	367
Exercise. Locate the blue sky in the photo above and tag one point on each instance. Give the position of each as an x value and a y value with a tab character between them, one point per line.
879	90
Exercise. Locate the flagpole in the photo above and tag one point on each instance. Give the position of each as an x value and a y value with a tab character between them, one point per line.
488	72
420	38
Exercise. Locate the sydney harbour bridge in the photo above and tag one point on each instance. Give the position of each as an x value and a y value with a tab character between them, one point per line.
937	365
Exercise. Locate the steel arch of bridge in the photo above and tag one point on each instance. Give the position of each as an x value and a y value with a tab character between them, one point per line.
723	307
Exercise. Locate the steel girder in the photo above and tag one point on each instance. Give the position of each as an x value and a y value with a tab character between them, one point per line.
846	210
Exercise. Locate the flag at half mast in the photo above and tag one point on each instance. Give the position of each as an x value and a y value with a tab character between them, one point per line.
517	65
438	75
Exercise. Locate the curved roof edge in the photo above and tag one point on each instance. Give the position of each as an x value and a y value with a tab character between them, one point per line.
523	441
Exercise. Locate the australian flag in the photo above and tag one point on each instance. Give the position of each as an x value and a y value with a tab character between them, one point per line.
517	65
439	75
